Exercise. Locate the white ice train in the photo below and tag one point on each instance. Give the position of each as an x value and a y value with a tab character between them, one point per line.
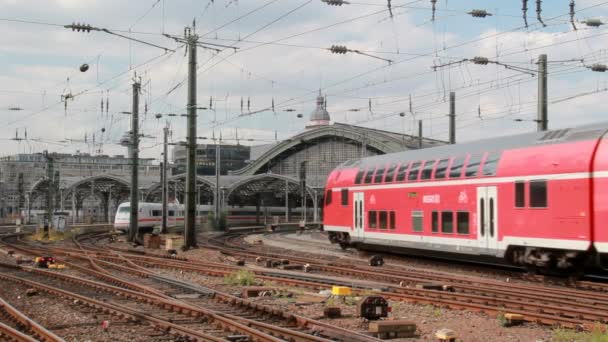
150	215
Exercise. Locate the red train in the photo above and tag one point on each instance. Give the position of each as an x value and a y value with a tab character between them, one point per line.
538	200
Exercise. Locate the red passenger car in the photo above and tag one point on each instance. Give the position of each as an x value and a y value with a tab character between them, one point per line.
538	199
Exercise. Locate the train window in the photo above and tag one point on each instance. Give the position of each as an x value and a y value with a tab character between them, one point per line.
520	195
402	172
447	222
427	171
379	175
417	217
383	219
344	196
359	176
393	223
441	169
473	166
372	220
390	173
157	213
328	197
369	175
538	194
435	222
414	170
171	213
457	166
491	164
124	210
462	222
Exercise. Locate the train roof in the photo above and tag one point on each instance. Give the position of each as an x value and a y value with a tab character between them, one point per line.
587	132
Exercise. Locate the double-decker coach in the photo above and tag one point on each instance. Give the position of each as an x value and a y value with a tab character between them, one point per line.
537	199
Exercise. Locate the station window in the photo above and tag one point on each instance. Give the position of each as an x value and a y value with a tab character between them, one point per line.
520	195
359	176
344	196
457	166
379	175
447	222
383	219
491	164
402	172
462	222
417	217
435	222
372	219
538	194
413	175
393	223
441	169
427	171
473	166
328	197
369	175
390	173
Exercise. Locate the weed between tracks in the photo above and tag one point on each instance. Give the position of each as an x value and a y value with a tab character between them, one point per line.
598	334
240	278
53	236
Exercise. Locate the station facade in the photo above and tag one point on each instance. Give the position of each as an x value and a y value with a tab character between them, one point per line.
290	173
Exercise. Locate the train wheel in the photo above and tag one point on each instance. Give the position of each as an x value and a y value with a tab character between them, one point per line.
344	245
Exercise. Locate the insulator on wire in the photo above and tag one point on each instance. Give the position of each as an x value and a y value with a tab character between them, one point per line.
80	27
539	10
572	13
411	105
593	22
338	49
102	105
434	9
335	2
480	60
107	103
241	104
524	9
249	104
390	8
211	102
370	105
273	105
479	13
599	67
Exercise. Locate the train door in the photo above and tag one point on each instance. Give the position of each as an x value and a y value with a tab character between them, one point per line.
487	218
358	214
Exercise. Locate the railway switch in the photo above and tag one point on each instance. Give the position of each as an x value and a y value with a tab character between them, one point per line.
44	262
513	319
445	335
372	308
332	312
376	261
390	329
341	291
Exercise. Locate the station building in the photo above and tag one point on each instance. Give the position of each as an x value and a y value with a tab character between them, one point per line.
289	173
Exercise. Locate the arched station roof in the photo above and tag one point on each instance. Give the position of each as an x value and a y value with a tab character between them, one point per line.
381	142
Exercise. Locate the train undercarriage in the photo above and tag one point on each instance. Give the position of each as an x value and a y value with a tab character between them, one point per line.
533	259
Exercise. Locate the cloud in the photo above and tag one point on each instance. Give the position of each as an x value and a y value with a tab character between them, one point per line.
37	61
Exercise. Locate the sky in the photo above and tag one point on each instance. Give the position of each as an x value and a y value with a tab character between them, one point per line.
408	64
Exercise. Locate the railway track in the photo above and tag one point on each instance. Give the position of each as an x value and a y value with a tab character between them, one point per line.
541	308
546	306
551	306
260	319
19	327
